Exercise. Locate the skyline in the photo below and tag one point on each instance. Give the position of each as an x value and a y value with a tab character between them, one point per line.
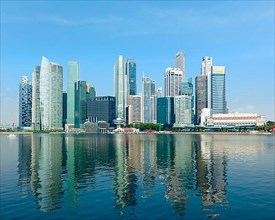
152	36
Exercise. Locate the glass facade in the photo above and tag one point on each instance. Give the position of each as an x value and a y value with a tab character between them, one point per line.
120	87
180	62
131	72
172	81
36	118
51	95
148	92
218	90
201	96
25	102
101	108
165	110
64	117
73	76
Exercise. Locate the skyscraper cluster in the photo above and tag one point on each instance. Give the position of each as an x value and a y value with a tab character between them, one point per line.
44	105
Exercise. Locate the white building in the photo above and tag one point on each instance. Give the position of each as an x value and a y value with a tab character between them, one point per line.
235	119
172	81
183	111
206	66
51	95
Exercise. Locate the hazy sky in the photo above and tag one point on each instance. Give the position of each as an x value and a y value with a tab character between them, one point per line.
237	34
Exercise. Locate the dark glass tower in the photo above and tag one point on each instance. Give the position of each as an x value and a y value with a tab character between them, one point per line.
201	96
131	72
102	108
25	102
165	110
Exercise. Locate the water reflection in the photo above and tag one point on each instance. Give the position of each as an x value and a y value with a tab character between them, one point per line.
56	169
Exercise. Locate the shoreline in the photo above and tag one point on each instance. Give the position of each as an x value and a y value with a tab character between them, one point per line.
177	133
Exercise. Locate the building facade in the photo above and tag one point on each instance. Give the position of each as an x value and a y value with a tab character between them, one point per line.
101	108
180	62
36	117
172	81
201	96
135	102
148	93
183	111
218	101
72	78
131	72
165	110
51	95
206	70
25	102
121	88
64	115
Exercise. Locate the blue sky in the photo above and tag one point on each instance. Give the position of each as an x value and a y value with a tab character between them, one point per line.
239	35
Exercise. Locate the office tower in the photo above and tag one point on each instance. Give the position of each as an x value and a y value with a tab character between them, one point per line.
180	62
165	110
200	96
73	76
172	81
135	101
36	125
206	67
51	92
25	102
218	104
159	92
184	112
82	93
101	108
148	91
131	72
64	115
121	87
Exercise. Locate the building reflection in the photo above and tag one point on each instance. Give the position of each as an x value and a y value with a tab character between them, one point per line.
57	168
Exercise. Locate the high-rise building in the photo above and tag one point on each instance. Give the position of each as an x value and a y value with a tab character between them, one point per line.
200	96
206	68
135	101
131	72
184	105
51	92
25	102
165	110
148	92
121	88
64	120
218	102
36	117
73	76
180	62
101	108
173	79
82	93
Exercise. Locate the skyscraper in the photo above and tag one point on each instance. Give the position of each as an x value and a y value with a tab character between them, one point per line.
51	92
165	110
137	108
148	91
200	95
184	112
64	116
82	93
25	102
131	72
206	68
173	79
180	62
121	87
73	76
36	117
218	104
101	108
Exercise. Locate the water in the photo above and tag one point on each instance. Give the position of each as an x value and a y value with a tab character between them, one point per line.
59	176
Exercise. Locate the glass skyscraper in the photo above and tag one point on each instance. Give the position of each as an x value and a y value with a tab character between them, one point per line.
121	88
180	62
200	96
206	68
25	102
51	95
36	117
131	72
73	76
165	110
218	90
172	81
148	92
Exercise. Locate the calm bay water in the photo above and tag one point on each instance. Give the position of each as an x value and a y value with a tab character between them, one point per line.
89	176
